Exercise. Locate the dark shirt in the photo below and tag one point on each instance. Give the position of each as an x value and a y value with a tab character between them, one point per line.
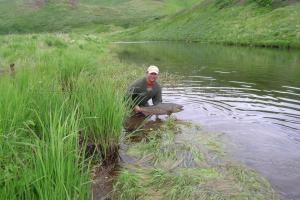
141	94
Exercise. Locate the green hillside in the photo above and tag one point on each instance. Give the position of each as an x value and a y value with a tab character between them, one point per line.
256	23
249	22
33	16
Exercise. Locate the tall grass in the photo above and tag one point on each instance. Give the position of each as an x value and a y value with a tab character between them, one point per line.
14	113
102	108
39	142
56	93
59	170
13	105
51	167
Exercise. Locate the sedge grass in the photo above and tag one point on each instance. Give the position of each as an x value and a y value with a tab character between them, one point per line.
102	108
39	143
40	163
13	105
60	171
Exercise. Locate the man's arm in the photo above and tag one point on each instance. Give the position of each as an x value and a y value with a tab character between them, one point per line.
158	97
132	94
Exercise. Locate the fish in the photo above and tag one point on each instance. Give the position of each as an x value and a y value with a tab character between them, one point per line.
162	109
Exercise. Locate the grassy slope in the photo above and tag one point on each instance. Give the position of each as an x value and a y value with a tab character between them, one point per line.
248	24
208	21
86	15
53	17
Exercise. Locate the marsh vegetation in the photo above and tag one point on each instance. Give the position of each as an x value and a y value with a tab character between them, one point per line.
54	101
180	161
62	102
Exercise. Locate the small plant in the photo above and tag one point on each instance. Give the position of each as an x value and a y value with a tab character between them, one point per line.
55	42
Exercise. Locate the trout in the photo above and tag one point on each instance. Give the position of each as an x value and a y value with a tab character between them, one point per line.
162	109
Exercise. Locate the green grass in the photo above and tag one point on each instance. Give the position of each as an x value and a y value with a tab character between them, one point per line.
63	85
103	109
59	169
128	186
68	86
85	16
195	170
245	24
39	148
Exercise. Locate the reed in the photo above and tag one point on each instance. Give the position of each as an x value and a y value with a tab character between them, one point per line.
102	108
59	170
47	167
14	113
13	110
41	118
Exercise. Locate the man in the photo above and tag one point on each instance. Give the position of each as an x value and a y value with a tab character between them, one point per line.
146	88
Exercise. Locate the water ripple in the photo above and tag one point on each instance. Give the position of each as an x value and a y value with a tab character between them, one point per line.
242	102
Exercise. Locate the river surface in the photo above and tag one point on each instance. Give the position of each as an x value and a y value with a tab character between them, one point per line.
252	95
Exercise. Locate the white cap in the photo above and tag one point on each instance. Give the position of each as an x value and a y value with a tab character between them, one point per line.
152	69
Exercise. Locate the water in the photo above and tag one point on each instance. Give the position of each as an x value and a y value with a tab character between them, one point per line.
250	94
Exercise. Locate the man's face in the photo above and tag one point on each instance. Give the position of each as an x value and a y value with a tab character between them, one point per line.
151	77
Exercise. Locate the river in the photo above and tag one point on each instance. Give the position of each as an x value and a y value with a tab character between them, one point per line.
252	95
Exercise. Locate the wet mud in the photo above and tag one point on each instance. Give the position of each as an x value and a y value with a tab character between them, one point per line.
103	178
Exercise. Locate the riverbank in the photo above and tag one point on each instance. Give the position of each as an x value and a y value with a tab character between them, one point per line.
178	160
62	111
230	22
61	108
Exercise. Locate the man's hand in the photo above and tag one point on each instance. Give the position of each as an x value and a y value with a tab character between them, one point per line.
137	109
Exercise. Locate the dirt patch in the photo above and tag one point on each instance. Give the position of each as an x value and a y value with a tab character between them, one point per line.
103	178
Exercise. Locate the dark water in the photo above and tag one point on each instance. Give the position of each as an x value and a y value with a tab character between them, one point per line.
250	94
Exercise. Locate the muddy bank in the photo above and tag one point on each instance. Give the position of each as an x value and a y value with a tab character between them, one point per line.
103	179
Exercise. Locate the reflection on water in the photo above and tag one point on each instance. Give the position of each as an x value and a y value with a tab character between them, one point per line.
252	95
